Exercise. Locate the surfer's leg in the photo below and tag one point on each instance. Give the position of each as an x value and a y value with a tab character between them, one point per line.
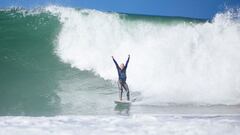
120	87
125	86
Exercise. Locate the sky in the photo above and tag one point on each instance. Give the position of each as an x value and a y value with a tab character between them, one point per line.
205	9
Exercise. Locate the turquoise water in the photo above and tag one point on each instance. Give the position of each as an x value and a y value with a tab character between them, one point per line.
30	70
28	63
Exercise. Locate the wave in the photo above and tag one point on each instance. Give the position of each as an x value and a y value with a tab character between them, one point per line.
174	61
182	61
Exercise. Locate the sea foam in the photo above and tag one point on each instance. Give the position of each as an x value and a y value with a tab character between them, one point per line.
116	125
182	63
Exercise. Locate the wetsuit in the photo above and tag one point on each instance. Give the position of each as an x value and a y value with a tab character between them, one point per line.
122	77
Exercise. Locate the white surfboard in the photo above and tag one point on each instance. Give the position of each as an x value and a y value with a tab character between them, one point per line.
122	102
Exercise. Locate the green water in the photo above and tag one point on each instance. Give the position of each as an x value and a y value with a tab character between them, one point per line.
30	70
28	64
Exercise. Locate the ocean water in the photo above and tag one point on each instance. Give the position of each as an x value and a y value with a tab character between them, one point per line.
57	76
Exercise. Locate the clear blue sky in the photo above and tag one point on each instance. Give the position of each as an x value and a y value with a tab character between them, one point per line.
186	8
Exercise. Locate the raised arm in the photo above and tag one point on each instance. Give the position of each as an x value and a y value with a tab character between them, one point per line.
115	62
127	61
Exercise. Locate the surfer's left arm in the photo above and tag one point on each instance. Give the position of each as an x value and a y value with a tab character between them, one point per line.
127	61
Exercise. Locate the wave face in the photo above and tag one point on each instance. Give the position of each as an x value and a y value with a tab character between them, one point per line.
173	60
27	63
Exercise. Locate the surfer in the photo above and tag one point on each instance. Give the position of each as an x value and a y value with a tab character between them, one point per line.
122	77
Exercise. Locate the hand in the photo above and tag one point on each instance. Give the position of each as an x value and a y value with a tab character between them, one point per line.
128	55
112	57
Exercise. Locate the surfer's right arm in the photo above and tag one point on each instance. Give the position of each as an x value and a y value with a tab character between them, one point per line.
115	63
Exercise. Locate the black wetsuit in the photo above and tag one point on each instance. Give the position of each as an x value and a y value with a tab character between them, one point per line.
122	77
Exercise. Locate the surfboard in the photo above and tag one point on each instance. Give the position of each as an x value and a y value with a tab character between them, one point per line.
122	102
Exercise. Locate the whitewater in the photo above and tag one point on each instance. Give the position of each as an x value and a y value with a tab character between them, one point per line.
58	78
178	62
136	124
